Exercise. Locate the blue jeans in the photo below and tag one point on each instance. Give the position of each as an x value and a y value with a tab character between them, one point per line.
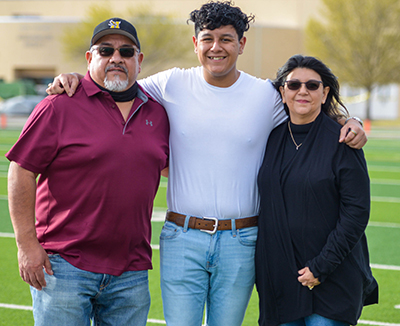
74	297
315	320
199	269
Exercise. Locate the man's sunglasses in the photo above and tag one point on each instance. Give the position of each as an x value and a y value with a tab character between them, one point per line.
311	85
108	51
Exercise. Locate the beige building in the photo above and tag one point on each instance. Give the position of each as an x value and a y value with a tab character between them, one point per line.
31	31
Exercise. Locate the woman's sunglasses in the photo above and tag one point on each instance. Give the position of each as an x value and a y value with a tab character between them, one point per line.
311	85
108	51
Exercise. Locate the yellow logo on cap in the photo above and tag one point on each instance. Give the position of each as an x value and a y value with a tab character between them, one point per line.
114	24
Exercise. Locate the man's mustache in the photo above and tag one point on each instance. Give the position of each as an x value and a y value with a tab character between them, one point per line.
116	67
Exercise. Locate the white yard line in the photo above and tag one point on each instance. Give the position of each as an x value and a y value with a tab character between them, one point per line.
384	225
377	323
386	267
385	199
14	306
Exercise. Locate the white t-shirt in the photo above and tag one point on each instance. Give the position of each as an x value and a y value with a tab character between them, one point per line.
217	140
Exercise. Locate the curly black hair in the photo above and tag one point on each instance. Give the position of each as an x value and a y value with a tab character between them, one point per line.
213	15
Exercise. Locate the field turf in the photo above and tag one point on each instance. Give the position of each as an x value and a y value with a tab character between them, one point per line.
383	157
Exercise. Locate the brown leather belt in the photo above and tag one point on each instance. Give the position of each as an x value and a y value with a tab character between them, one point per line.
211	224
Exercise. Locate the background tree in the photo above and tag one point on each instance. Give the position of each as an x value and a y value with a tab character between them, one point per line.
76	40
164	41
360	41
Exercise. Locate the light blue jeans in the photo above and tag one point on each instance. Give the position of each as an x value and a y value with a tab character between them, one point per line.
199	269
315	320
74	297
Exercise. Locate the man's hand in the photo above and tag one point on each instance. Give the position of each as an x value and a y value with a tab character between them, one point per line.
64	82
21	201
353	134
31	259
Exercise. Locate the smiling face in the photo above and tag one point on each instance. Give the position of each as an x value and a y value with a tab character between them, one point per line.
304	105
114	69
218	51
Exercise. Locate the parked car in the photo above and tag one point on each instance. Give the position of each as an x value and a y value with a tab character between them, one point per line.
22	105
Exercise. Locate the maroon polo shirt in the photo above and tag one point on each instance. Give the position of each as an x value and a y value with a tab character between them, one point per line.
98	176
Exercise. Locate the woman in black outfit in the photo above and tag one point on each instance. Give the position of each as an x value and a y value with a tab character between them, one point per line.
312	261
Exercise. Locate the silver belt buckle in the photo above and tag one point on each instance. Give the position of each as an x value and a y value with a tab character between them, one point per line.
215	225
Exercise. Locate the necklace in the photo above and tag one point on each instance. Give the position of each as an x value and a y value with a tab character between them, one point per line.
291	135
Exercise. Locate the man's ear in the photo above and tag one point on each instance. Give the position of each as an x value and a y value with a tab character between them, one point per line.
242	43
194	39
140	60
88	56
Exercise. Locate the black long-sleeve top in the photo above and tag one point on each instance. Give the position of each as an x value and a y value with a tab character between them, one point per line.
314	208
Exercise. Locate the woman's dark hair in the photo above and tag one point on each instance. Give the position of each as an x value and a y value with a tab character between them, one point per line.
213	15
333	105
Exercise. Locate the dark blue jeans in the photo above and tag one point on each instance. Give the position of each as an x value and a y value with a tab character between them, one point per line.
315	320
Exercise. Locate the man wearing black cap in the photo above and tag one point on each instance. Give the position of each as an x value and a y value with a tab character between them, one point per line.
99	156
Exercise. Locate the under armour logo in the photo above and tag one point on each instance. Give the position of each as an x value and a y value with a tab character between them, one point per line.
113	24
149	123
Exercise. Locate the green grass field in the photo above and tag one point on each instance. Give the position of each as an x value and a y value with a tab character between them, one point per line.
383	157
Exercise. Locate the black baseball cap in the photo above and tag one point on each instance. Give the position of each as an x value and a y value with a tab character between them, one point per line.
115	26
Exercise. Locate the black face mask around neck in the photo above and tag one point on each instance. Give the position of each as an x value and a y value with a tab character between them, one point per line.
124	96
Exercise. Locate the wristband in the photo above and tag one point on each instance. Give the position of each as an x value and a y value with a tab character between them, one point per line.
355	118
